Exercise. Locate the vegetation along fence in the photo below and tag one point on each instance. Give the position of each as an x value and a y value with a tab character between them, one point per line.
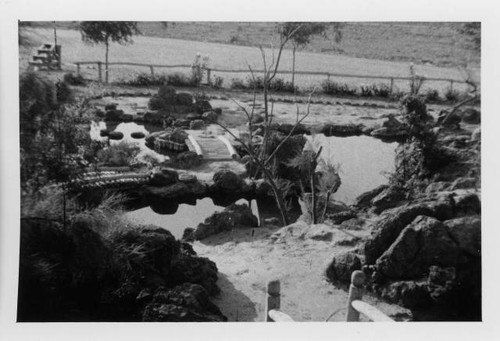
355	305
327	75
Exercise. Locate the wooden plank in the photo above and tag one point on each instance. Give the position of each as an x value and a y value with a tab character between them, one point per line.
355	293
370	311
278	316
273	298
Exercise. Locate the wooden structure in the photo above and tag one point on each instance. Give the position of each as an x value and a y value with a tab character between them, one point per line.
355	305
48	57
211	148
209	71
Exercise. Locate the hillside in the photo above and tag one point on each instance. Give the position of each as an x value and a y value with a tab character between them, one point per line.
436	43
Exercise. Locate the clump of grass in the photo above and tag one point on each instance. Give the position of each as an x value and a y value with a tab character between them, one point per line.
71	79
334	88
452	95
432	95
117	155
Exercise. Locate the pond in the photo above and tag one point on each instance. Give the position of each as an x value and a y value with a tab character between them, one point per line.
364	162
178	217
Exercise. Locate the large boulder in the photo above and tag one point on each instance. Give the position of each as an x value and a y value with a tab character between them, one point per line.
388	198
425	242
113	115
364	199
233	216
227	181
410	294
185	303
196	270
467	204
165	177
466	231
386	133
471	116
342	266
388	228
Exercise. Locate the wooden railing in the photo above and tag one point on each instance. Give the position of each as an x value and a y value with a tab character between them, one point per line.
210	70
355	305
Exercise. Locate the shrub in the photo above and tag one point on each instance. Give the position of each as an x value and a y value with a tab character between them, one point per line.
432	95
146	79
71	79
217	82
237	83
179	79
452	95
121	154
257	83
279	85
366	91
381	90
334	88
63	92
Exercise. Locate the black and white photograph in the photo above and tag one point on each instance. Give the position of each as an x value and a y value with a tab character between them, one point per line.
305	170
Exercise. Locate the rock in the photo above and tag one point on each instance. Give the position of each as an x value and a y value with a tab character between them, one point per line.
209	116
233	216
187	178
364	199
227	182
127	118
341	130
113	115
342	266
471	116
476	135
257	118
452	122
272	221
468	204
388	198
182	123
218	111
410	294
466	231
164	178
188	234
443	206
392	122
423	243
286	128
174	191
99	113
335	206
188	160
463	183
184	303
137	135
153	118
388	228
110	106
184	98
104	132
115	135
441	284
197	125
196	270
389	133
320	232
338	218
436	187
368	130
178	136
192	116
202	106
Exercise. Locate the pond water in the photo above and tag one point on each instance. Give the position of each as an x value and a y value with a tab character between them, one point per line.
178	217
364	162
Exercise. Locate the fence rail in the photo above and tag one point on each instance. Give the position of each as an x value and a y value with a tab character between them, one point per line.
210	70
355	305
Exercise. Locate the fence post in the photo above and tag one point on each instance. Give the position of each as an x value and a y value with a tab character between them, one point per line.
328	77
152	70
208	76
392	85
451	86
78	69
99	67
355	293
273	298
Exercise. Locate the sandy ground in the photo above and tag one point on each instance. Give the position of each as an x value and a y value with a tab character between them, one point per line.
289	254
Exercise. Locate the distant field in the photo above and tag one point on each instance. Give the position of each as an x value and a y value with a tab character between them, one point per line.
435	43
155	50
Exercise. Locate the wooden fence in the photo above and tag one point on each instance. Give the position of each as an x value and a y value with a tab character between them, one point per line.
210	70
355	305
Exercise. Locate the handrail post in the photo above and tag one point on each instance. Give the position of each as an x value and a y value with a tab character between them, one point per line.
273	298
152	70
78	69
99	68
392	86
209	81
451	86
355	293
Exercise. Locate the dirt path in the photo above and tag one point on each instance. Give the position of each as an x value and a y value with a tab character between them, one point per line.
246	263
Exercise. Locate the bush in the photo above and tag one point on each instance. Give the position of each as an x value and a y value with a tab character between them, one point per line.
452	95
71	79
382	90
217	82
238	84
334	88
118	155
432	95
179	79
63	92
146	79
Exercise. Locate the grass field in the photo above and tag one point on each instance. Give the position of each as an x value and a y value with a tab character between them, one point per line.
436	43
154	50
